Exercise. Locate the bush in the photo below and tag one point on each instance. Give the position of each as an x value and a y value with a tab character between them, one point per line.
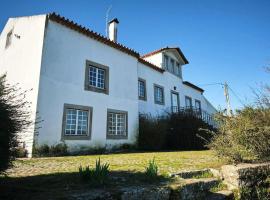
177	131
21	152
152	132
96	176
243	137
151	170
14	119
47	151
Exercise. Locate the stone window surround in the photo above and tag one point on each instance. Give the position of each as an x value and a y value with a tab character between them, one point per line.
77	137
116	136
86	82
156	102
145	90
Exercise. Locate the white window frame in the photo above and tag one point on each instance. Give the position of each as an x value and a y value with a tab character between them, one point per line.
77	109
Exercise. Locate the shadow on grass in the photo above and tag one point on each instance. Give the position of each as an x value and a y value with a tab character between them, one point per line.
65	185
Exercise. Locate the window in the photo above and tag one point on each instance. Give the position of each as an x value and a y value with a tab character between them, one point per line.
188	102
96	77
76	122
142	89
178	70
117	124
166	62
159	94
9	38
171	68
198	105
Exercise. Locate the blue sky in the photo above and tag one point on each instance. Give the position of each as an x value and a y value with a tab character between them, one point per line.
224	40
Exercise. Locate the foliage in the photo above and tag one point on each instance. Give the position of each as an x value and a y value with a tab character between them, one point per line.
14	117
21	152
47	151
151	171
204	175
152	132
176	131
96	176
244	136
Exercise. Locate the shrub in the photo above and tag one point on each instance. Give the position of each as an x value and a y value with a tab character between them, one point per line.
243	137
54	150
151	170
184	129
14	118
96	176
152	132
58	150
21	152
177	131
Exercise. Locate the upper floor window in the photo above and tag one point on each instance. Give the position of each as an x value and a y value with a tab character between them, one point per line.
198	105
188	101
166	62
142	89
117	124
171	66
97	77
159	94
76	122
9	38
177	70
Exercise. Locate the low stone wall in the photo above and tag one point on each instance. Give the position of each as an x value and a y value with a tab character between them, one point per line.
244	175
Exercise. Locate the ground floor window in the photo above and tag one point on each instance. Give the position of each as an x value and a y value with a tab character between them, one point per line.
117	124
76	122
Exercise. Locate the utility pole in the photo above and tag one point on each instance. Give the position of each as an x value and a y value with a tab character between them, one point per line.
227	97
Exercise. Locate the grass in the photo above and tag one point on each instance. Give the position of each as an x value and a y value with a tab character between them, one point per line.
40	177
168	162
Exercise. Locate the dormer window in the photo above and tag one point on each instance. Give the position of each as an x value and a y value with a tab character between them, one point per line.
172	66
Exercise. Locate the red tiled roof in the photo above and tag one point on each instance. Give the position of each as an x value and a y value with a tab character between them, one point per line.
193	86
167	48
72	25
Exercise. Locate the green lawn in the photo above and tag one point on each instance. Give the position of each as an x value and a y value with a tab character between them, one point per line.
168	162
39	178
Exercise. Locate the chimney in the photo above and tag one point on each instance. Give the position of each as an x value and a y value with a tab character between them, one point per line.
113	29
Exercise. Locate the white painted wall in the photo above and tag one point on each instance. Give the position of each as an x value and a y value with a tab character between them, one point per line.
155	59
62	81
168	81
21	60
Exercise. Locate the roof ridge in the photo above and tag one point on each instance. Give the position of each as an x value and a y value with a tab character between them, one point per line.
166	48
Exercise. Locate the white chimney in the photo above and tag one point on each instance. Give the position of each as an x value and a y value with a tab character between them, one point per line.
113	29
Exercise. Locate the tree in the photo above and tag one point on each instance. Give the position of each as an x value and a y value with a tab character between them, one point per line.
14	118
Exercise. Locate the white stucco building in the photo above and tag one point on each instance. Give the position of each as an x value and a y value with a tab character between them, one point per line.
88	89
